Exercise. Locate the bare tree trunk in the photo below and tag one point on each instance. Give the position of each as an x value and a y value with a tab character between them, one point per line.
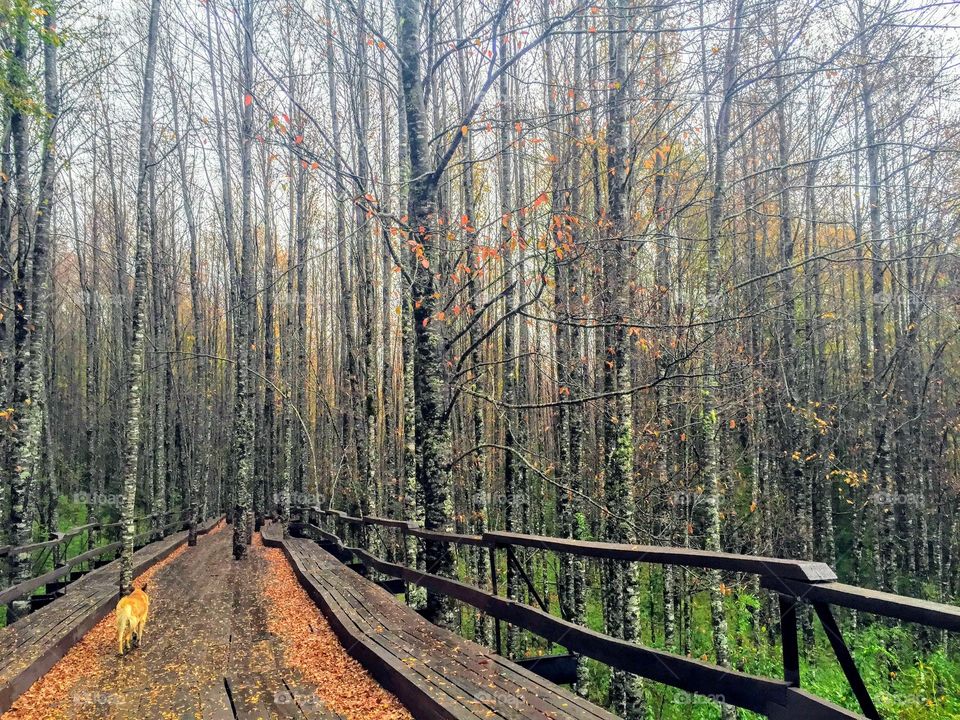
245	315
135	364
710	419
623	610
433	428
197	474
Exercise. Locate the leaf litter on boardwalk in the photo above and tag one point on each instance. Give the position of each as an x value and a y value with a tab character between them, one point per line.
311	646
51	697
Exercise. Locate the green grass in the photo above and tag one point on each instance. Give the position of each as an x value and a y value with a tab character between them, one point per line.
908	673
70	514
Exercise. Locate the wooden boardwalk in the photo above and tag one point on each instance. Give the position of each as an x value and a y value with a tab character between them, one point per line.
434	672
269	637
207	652
32	645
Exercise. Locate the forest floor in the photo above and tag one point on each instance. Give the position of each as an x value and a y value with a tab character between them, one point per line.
224	639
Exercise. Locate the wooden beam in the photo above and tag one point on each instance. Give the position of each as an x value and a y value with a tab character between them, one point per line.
387	522
788	640
763	566
455	538
559	669
846	661
924	612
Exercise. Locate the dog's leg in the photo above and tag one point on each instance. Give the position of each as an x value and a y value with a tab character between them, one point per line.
121	634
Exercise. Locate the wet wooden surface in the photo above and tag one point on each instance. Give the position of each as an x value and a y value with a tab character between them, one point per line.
436	673
206	653
32	645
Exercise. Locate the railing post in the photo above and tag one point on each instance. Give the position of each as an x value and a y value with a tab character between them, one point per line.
788	639
58	549
494	583
404	538
192	524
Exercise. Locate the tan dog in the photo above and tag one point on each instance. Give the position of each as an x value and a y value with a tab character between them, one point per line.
132	618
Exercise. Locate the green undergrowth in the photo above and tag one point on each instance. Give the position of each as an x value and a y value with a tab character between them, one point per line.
908	670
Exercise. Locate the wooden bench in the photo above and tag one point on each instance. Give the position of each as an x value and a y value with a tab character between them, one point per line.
434	672
33	644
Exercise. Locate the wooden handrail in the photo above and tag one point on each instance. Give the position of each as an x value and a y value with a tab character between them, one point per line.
455	538
67	535
411	526
794	581
389	522
12	550
901	607
20	590
777	699
799	579
9	552
804	570
754	564
28	586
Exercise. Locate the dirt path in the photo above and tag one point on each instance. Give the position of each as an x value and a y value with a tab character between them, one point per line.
208	651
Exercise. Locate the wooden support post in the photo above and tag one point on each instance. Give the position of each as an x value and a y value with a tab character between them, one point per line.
512	558
494	586
788	638
845	659
58	551
403	554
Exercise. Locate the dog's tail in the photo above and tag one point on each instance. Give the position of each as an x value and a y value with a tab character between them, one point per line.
124	625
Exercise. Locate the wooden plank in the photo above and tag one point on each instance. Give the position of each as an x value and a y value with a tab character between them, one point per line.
455	538
470	666
428	641
249	698
436	655
215	703
95	552
308	702
388	522
499	679
60	538
426	656
425	703
26	549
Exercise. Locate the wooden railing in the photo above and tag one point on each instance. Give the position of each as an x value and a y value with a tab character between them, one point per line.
65	569
794	582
